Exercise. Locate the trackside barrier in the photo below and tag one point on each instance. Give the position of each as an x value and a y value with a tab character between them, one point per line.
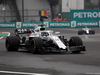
59	24
30	24
88	24
50	24
7	24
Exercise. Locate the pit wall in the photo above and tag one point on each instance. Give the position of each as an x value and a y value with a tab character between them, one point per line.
50	24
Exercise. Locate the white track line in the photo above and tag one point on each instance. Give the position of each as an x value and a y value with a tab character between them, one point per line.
8	33
93	73
10	72
1	37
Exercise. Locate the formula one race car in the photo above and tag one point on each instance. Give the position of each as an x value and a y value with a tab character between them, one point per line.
41	40
86	31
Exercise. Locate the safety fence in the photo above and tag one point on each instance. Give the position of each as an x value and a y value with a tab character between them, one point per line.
50	24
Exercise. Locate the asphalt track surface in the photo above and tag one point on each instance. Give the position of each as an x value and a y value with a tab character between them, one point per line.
53	63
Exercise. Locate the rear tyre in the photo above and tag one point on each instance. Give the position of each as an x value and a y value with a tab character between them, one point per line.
75	41
37	45
80	32
91	31
12	43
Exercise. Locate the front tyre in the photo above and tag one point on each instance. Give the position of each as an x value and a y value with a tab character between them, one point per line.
37	45
75	42
91	31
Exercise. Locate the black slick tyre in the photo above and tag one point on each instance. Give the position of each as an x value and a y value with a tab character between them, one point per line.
75	41
91	31
37	45
12	43
80	32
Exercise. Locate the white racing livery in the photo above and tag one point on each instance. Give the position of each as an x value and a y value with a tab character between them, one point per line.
40	40
86	31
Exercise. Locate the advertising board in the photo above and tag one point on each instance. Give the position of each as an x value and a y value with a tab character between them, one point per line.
85	15
7	24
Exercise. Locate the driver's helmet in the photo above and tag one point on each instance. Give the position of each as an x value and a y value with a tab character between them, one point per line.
44	34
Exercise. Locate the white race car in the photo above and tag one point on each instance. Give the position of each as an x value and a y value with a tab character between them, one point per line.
42	40
86	31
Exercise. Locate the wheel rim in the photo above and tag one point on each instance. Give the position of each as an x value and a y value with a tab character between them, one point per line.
33	46
33	49
7	45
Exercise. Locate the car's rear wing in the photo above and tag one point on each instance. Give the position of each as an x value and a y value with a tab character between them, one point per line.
23	31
